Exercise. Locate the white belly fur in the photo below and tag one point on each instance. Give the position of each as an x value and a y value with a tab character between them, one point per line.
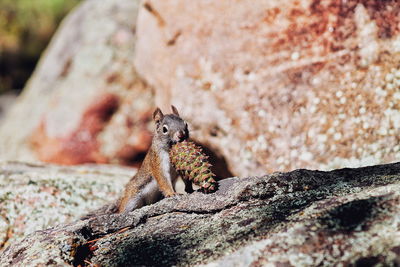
166	167
151	193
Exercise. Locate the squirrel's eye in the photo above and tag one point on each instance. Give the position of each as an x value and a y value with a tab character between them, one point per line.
165	129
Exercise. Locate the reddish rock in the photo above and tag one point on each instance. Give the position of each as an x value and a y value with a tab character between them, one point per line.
80	145
274	85
85	101
265	85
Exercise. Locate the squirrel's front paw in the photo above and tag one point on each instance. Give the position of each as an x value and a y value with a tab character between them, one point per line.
171	194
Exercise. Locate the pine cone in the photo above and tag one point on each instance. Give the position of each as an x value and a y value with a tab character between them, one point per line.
191	163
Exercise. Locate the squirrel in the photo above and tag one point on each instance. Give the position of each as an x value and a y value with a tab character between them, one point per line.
156	176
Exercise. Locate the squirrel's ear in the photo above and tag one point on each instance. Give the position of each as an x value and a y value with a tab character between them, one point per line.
158	115
175	110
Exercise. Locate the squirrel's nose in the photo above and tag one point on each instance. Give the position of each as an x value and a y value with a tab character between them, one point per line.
180	136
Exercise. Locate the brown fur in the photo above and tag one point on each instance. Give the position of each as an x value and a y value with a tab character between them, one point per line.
152	181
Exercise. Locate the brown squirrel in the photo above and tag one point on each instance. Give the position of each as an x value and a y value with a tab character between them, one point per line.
156	175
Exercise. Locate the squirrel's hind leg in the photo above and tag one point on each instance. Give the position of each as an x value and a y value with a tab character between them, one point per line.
134	203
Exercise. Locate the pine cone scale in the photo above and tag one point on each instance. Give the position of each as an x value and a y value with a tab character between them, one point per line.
190	162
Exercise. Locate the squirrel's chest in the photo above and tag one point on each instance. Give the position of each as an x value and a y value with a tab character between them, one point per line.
166	166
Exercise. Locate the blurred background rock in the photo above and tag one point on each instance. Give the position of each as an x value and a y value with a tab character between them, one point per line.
26	27
266	86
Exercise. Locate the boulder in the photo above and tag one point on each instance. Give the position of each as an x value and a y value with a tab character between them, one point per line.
6	102
301	218
272	85
264	85
85	101
36	197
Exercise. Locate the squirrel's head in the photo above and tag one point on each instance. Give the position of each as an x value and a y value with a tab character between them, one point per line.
170	127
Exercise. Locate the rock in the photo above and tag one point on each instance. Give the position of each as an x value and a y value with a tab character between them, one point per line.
6	102
85	102
273	85
300	218
36	197
264	85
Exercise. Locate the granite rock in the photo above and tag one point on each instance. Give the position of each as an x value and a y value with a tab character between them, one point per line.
300	218
85	101
265	85
36	197
274	85
6	102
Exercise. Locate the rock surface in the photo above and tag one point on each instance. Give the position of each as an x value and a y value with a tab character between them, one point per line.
36	197
301	218
6	102
274	85
85	102
266	85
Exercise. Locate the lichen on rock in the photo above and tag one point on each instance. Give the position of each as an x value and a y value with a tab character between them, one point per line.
36	197
307	218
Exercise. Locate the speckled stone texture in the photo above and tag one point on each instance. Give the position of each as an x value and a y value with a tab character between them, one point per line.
267	85
85	101
36	197
279	85
301	218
